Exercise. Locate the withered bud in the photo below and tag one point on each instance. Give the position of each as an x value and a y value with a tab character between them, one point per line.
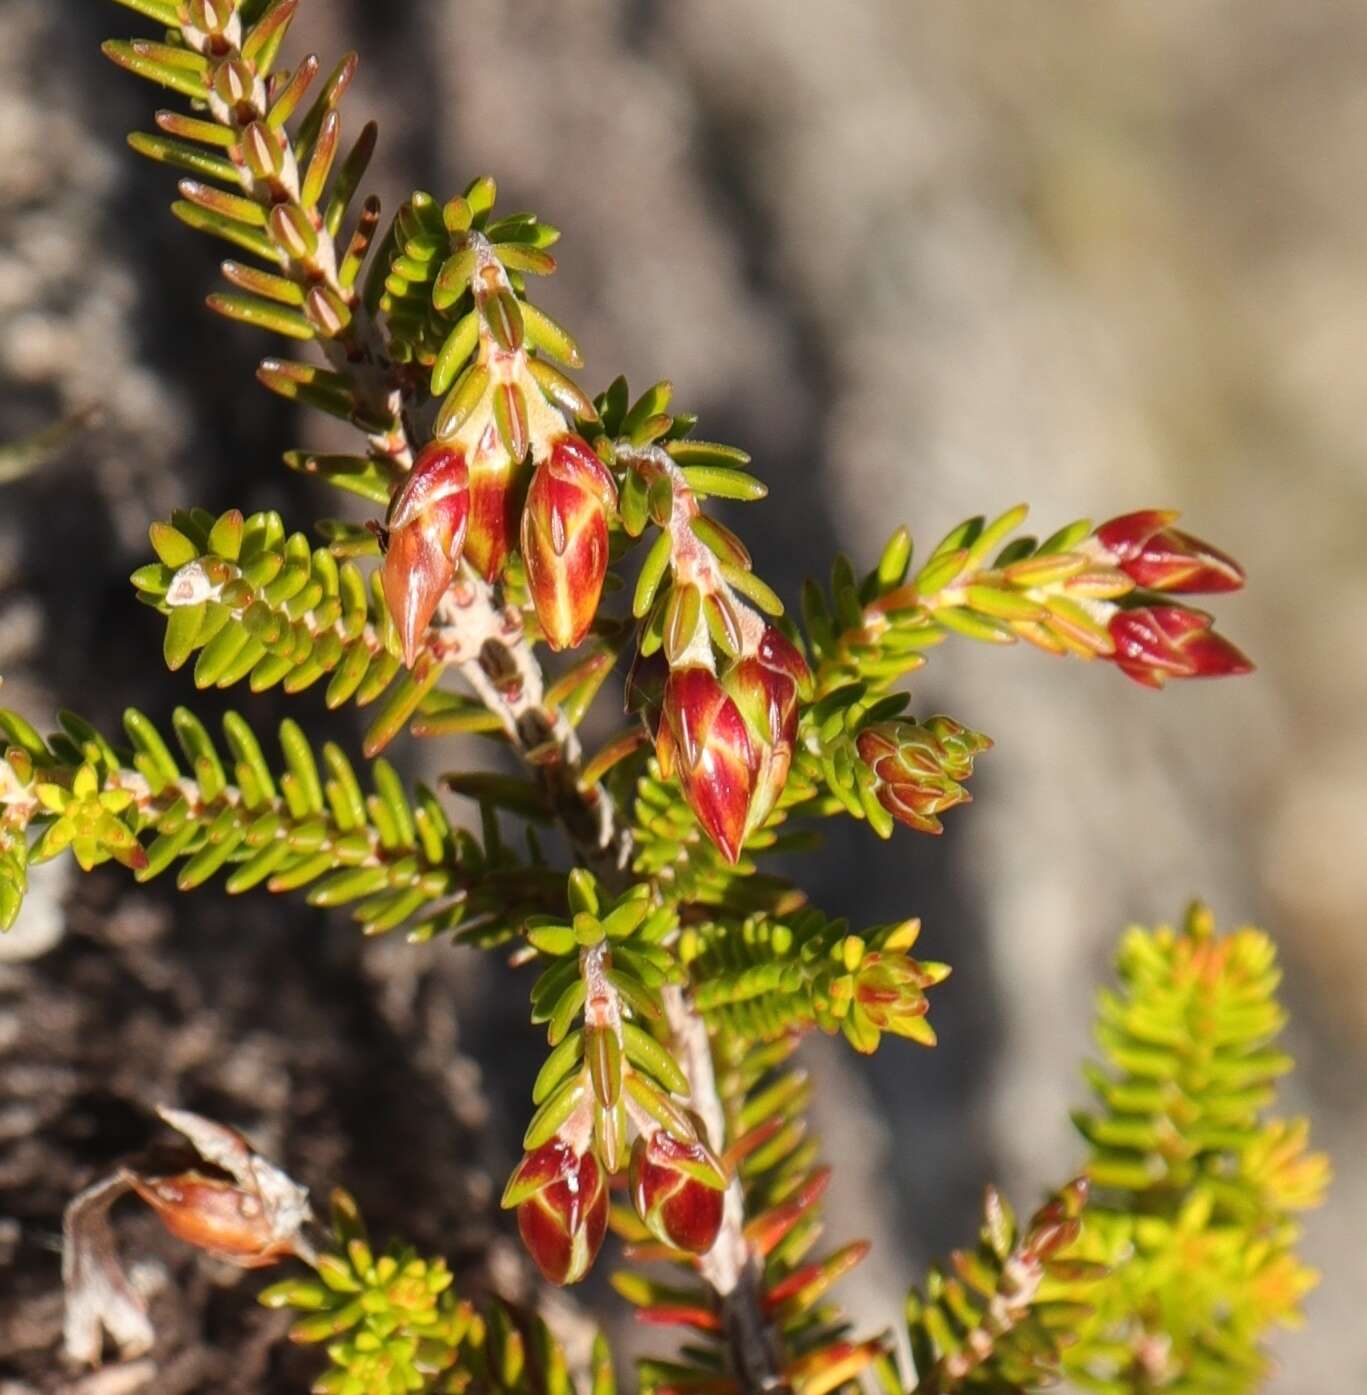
238	1207
251	1217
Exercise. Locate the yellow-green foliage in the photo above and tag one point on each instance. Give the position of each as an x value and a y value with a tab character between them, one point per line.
390	1321
394	1326
309	823
1195	1187
766	976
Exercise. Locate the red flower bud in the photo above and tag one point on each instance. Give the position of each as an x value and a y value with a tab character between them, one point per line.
493	507
427	522
765	687
678	1190
562	1209
565	539
704	729
1158	642
1162	558
916	769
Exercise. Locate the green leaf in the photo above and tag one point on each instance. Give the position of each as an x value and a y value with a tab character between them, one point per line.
753	589
133	55
546	1122
652	573
182	155
261	313
643	1051
455	350
182	630
723	482
545	335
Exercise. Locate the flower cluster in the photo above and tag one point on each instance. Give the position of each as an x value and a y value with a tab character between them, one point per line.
717	683
507	468
604	1081
511	504
915	771
1155	642
730	736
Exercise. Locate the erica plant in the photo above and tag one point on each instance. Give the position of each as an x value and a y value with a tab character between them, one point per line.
528	548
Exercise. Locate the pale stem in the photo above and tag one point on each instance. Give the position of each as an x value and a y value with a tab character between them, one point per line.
730	1267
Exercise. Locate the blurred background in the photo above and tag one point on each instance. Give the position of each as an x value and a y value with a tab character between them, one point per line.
922	261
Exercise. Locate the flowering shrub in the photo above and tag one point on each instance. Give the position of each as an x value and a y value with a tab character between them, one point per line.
677	971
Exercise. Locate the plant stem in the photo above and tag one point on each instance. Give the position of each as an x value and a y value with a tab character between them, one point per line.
730	1267
354	347
506	675
502	668
496	659
486	641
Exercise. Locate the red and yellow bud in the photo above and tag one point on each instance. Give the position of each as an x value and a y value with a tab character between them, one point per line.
565	539
231	1222
703	733
678	1190
890	990
493	511
427	523
765	687
916	769
1158	642
561	1198
1155	555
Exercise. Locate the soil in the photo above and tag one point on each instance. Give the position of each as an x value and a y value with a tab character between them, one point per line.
337	1067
